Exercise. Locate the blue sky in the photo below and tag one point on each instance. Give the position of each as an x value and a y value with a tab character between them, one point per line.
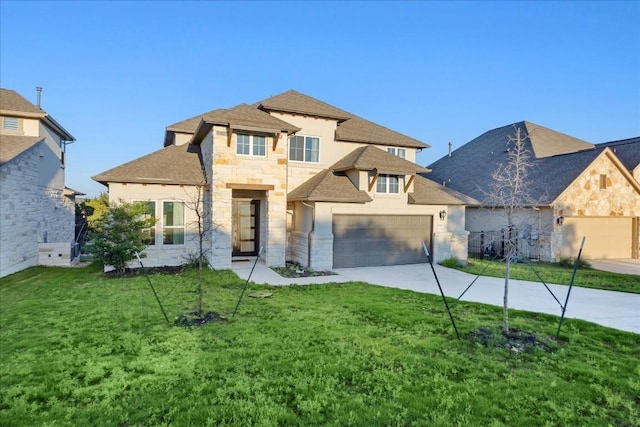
115	74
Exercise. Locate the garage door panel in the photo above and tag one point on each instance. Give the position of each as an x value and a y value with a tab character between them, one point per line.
606	237
378	240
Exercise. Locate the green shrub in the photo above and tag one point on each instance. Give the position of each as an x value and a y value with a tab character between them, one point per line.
570	262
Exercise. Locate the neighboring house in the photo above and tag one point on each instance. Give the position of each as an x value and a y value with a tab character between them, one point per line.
37	212
580	189
302	179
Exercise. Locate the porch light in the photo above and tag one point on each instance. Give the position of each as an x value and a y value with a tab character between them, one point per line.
443	215
560	220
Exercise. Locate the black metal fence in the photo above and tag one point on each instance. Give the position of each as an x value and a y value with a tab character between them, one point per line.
492	243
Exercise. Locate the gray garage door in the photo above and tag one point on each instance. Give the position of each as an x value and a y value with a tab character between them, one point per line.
374	240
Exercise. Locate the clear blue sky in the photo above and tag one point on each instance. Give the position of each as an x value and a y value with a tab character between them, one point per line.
115	74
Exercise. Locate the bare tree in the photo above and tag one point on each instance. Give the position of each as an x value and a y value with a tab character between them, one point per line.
510	191
197	203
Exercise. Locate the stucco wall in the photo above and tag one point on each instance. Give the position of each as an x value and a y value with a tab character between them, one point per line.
32	214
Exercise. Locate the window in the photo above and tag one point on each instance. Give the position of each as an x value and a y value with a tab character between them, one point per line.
603	181
10	123
400	152
149	234
304	149
388	184
173	223
251	145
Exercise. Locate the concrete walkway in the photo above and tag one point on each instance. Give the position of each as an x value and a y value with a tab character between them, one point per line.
624	266
619	310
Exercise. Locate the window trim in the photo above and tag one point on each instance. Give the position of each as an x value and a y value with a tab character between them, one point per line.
304	149
174	227
387	184
396	152
252	145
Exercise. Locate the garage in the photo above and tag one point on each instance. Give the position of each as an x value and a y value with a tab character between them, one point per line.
376	240
606	237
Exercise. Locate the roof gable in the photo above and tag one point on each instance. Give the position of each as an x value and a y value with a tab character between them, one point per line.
627	150
175	164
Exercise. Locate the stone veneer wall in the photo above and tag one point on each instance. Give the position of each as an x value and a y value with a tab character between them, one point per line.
585	198
32	217
226	167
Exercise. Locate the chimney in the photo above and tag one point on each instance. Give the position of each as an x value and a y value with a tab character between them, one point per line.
39	91
450	145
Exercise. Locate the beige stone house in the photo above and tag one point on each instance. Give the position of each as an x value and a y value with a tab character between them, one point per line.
37	213
578	189
303	180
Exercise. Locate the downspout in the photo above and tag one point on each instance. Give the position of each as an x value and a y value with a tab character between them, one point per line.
313	227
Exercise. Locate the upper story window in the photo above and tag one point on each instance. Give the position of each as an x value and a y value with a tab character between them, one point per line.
251	145
304	148
400	152
10	123
388	184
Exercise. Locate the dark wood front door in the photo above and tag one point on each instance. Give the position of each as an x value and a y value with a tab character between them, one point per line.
246	232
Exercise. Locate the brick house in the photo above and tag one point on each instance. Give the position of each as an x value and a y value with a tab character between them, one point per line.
578	189
304	180
37	211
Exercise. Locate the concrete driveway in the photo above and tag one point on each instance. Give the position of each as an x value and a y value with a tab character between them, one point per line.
617	310
624	266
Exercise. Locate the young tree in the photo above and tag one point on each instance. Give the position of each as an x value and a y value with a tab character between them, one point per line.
197	203
117	235
510	191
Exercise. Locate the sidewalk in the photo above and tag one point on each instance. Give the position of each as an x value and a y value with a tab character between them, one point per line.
618	310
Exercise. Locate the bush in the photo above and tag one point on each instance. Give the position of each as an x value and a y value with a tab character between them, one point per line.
453	262
117	235
570	262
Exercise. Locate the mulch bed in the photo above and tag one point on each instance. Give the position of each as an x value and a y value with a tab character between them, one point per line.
131	272
516	340
197	319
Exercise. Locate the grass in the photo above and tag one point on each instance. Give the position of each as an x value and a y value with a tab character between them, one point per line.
81	349
557	273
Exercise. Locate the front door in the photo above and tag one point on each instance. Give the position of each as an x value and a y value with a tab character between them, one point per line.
246	214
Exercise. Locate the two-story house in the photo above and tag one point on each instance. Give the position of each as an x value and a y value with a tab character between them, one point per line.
304	180
37	218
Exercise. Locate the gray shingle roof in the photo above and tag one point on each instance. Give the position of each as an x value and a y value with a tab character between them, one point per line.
351	128
427	192
292	101
10	100
328	186
627	150
13	145
175	164
469	168
370	158
331	185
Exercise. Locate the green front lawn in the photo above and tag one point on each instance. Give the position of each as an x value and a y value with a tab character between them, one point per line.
79	349
552	273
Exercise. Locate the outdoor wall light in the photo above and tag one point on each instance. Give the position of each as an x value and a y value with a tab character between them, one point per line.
560	220
443	215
